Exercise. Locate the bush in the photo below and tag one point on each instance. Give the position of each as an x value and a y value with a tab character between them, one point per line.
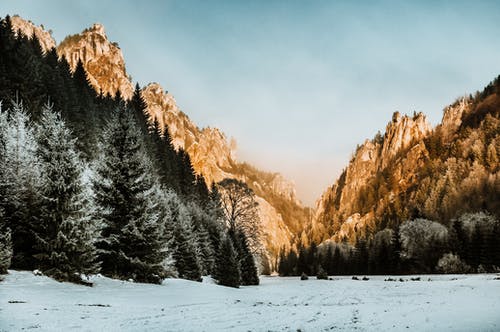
321	275
451	263
304	276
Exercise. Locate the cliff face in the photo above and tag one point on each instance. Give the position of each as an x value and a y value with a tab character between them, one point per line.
102	59
349	206
211	153
416	171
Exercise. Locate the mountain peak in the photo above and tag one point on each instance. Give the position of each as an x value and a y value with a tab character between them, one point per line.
97	28
102	59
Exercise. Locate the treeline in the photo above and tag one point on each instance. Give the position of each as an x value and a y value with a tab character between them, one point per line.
470	244
95	187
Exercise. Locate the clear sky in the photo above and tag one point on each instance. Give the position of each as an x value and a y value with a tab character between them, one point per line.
297	83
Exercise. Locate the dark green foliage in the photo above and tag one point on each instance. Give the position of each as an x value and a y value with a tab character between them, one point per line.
132	232
228	270
248	269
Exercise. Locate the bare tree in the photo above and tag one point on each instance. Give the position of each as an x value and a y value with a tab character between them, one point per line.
241	211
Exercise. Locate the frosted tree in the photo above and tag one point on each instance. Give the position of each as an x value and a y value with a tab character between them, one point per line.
133	243
423	242
19	183
65	235
5	236
186	252
201	223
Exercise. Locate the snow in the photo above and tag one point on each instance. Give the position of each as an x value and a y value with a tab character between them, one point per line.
443	303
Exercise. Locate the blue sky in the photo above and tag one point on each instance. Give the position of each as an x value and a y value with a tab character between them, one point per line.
297	83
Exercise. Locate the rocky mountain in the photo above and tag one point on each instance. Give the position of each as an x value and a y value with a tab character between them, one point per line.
211	153
414	170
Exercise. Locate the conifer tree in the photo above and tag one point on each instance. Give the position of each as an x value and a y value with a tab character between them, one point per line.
248	269
5	246
66	234
186	252
124	190
19	183
228	270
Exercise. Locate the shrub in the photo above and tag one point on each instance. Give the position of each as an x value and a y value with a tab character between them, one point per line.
451	263
321	275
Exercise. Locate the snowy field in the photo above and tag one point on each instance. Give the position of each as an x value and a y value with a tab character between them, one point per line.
443	303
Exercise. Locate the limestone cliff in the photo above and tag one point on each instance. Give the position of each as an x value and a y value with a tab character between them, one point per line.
350	205
102	59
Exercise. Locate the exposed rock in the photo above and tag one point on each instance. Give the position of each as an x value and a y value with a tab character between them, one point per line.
102	59
342	210
452	117
28	28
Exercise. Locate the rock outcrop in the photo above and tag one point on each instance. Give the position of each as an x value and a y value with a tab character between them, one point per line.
29	29
102	59
350	205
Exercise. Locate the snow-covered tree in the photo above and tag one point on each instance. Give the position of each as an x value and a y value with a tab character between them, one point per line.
19	182
5	246
133	242
423	242
451	263
201	222
186	253
65	234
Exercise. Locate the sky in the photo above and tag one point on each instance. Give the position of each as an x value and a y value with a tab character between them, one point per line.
298	84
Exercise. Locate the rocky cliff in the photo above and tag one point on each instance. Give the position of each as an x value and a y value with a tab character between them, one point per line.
350	204
102	59
414	171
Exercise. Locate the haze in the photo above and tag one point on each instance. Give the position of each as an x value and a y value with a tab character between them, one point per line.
297	84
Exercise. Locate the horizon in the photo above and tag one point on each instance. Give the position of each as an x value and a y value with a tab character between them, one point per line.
326	54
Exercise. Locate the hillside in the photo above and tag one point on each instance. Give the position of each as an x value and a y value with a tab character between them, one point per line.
413	171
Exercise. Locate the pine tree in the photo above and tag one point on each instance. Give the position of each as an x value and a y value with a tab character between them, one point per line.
5	246
227	266
248	269
200	222
66	233
186	251
19	184
133	242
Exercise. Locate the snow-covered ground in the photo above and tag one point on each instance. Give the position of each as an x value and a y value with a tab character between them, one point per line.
443	303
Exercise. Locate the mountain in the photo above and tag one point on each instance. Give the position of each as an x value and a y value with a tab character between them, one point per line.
415	171
211	153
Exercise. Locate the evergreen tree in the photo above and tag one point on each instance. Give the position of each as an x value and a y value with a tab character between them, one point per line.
65	235
5	246
133	234
228	271
20	186
186	251
248	270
